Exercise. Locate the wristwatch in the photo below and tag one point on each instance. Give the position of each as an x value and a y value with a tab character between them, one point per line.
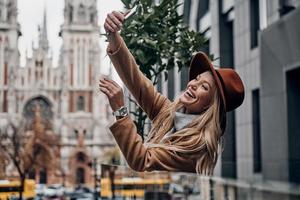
121	112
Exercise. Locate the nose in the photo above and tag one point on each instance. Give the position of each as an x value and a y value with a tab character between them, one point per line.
193	85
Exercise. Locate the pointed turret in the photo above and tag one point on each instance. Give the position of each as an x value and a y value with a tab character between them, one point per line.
43	35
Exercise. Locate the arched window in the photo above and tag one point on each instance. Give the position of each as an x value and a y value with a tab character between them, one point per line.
70	13
45	106
80	103
80	157
10	10
81	13
92	13
92	18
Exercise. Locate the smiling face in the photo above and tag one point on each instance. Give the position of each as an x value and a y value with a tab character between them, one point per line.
199	93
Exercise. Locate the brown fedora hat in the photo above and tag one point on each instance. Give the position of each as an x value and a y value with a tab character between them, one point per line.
228	82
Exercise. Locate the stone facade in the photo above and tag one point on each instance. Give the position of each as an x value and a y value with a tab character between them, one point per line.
67	94
259	39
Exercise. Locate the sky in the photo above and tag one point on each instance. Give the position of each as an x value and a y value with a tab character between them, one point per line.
30	15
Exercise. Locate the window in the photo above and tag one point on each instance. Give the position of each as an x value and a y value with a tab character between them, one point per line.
92	18
80	157
83	57
43	176
254	22
80	174
5	73
184	77
78	64
70	13
285	7
293	110
256	132
80	103
171	84
81	13
31	174
76	132
203	8
186	11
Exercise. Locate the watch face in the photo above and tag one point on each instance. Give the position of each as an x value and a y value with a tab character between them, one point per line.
122	112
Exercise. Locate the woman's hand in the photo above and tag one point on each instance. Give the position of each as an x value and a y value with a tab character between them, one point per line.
113	92
114	22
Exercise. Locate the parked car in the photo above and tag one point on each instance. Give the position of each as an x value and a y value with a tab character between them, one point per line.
54	190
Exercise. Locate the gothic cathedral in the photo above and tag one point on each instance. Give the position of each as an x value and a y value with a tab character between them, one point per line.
64	98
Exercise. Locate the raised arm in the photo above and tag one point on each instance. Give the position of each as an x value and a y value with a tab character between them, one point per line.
140	87
138	156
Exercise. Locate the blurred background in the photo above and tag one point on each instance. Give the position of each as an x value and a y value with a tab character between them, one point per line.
51	57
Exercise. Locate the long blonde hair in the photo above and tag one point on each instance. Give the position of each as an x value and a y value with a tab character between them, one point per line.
199	140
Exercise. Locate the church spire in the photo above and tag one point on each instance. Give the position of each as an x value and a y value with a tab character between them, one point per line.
43	36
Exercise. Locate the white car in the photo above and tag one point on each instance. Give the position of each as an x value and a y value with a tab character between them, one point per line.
52	190
39	189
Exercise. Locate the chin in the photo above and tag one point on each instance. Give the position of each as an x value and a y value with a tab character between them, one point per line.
182	100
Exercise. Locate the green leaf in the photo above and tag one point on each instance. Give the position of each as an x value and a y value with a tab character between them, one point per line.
126	3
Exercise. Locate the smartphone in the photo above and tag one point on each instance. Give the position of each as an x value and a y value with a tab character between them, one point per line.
131	12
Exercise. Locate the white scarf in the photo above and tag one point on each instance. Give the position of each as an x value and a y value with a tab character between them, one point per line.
181	120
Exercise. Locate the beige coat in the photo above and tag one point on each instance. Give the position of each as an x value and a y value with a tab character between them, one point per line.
138	156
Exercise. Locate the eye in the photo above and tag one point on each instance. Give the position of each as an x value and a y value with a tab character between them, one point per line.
204	87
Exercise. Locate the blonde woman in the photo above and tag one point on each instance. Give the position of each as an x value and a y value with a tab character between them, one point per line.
185	134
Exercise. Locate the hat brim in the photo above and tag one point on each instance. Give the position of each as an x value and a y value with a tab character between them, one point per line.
201	63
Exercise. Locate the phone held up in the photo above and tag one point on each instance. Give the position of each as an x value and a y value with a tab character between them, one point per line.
131	12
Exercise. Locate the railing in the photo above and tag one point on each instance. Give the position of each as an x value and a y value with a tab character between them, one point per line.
118	182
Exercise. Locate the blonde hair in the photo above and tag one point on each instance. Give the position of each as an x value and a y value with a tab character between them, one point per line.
199	140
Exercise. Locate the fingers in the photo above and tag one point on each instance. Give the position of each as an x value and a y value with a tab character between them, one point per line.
112	82
105	91
109	84
113	92
120	16
116	18
108	28
114	21
110	88
111	23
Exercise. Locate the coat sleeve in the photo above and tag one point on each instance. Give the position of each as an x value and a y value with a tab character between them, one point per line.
140	87
142	158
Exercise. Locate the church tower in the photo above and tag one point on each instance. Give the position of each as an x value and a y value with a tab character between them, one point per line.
9	54
81	53
83	108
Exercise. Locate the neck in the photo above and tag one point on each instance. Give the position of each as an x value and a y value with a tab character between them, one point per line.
187	111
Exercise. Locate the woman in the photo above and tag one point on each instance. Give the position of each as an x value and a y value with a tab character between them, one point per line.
185	134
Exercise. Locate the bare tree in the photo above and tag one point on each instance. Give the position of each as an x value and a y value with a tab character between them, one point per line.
28	151
12	146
